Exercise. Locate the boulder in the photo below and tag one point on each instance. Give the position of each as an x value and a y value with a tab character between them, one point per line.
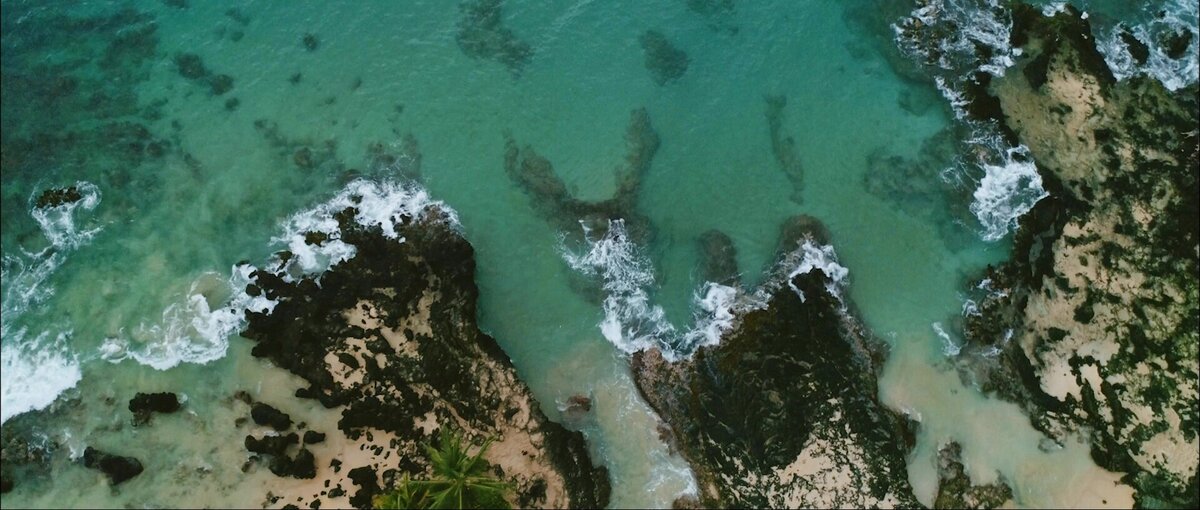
118	469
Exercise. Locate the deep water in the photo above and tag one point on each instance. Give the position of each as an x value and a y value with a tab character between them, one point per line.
199	127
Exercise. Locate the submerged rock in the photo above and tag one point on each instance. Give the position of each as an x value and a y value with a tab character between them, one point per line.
664	61
1092	325
718	258
783	147
389	337
118	469
955	489
784	412
553	201
482	35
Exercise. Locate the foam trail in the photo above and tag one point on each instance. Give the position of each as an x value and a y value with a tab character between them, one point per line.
633	323
36	367
630	322
949	346
197	327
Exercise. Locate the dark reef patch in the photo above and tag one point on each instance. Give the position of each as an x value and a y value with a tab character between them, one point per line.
783	147
482	35
665	62
550	196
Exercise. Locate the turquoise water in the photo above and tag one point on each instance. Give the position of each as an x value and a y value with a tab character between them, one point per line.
173	226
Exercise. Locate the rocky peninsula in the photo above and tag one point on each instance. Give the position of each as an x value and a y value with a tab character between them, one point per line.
1092	325
389	337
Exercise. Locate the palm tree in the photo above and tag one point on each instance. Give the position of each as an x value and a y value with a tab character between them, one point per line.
459	480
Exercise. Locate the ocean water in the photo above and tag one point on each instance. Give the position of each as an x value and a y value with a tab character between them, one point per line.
132	289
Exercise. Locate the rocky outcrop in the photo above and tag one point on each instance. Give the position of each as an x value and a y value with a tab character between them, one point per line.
955	489
390	339
1093	324
783	412
144	405
118	469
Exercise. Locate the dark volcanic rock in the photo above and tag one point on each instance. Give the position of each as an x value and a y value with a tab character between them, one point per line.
955	489
264	414
118	469
664	61
55	197
272	445
143	405
792	382
1101	291
313	437
1137	49
389	337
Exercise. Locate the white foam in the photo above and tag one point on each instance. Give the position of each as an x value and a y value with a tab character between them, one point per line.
716	307
197	327
950	347
59	224
633	323
191	331
34	371
1006	192
822	257
1174	74
37	367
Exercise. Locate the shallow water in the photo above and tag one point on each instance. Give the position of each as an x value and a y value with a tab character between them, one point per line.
173	226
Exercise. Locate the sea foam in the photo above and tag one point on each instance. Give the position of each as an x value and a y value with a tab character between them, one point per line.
1177	16
632	322
197	327
38	366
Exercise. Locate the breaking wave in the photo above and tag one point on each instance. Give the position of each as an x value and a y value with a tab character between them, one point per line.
197	327
38	366
957	40
1176	19
633	323
1006	192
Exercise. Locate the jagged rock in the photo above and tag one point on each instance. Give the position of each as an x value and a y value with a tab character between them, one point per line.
55	197
389	338
783	412
264	414
303	465
955	489
272	445
144	405
1091	326
118	469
